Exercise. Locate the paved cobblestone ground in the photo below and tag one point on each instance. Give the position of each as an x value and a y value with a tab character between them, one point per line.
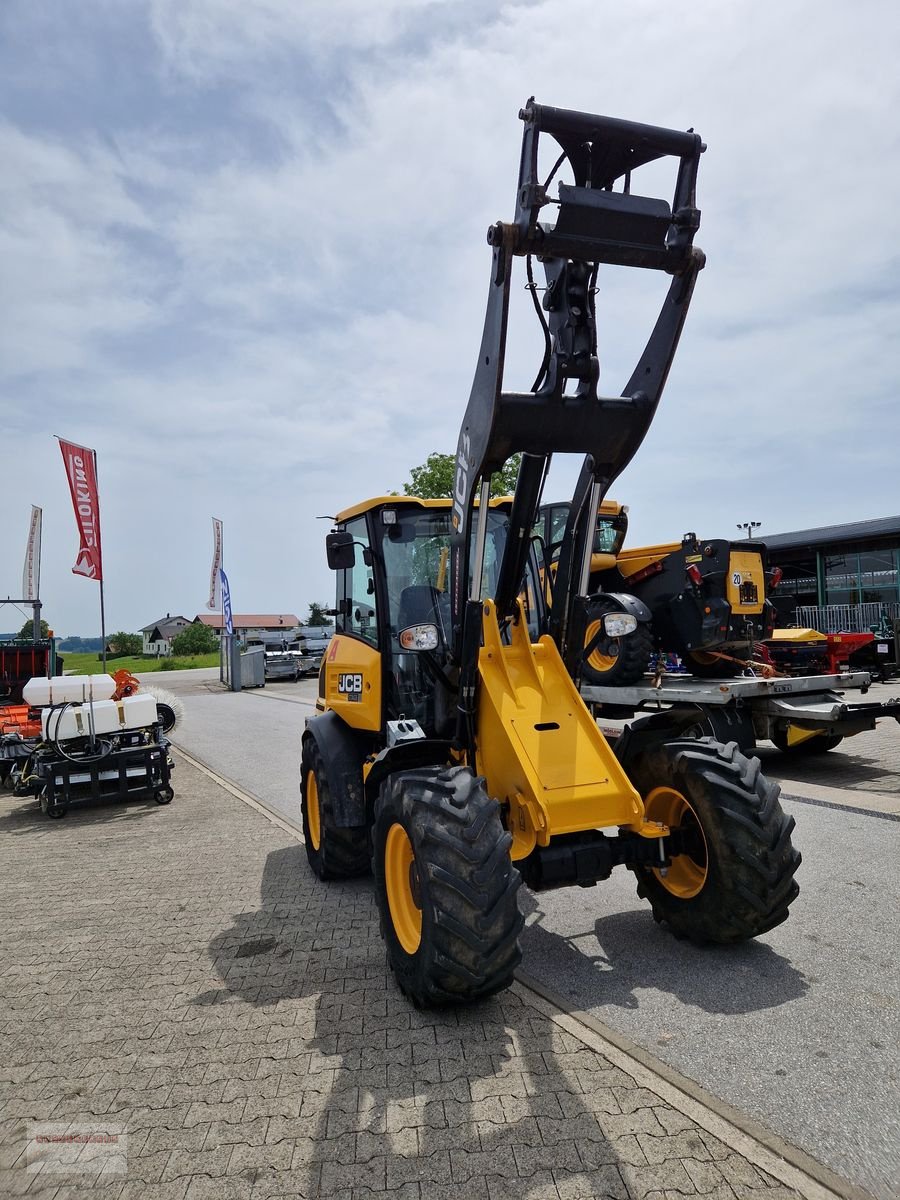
178	972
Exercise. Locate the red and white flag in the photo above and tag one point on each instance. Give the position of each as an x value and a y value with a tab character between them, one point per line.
215	583
31	575
81	470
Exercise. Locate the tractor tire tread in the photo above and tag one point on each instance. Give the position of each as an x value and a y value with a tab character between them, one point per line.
343	853
752	861
471	920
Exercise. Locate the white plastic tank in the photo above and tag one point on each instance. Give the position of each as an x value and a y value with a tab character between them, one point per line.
97	716
60	689
80	720
139	711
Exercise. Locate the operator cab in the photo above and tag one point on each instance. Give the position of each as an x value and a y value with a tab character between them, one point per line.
394	595
609	536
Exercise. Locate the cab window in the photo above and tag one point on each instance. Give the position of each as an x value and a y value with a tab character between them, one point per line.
358	607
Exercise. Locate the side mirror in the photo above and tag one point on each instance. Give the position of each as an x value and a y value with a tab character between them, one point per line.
340	551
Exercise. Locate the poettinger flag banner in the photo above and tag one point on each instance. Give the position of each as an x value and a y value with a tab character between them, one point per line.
215	586
81	470
31	575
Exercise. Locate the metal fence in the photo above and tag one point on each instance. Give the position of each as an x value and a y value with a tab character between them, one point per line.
845	618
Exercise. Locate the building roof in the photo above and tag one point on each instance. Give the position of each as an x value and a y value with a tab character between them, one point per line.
168	619
250	620
854	531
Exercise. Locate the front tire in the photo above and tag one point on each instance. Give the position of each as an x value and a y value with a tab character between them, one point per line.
446	886
614	662
734	878
333	852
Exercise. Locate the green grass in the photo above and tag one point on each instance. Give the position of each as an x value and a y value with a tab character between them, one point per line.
90	664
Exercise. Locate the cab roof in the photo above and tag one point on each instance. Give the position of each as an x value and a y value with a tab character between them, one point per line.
376	502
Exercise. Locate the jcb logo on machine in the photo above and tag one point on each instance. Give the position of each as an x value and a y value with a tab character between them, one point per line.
461	480
350	684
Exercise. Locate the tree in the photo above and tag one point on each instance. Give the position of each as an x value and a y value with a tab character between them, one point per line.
434	478
195	639
125	643
26	630
317	614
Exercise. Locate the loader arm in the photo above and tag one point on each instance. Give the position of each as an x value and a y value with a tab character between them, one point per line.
564	413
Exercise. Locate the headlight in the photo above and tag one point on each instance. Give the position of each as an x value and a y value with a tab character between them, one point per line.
619	624
419	637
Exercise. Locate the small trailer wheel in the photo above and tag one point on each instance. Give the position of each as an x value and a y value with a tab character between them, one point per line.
164	796
54	812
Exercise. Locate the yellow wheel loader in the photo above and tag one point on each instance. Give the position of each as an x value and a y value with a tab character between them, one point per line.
451	751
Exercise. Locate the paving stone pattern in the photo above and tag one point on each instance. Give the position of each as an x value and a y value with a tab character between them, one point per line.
178	971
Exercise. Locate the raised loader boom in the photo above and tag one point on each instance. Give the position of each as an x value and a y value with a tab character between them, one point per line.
595	224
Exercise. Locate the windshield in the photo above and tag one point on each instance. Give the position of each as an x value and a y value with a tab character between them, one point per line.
417	567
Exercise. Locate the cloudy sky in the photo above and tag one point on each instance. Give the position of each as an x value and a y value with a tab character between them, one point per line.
242	254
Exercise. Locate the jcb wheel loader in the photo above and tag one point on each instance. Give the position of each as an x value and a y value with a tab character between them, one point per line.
451	748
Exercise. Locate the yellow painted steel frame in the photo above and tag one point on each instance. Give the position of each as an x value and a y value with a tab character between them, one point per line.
746	564
630	562
540	749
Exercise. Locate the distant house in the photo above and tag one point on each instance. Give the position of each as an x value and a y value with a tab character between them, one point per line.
157	638
248	625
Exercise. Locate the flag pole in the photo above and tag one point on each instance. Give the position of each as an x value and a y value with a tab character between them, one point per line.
102	606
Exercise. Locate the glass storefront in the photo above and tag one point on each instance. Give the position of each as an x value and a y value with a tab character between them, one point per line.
869	577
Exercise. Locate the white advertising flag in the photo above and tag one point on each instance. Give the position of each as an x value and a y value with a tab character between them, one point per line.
31	576
215	583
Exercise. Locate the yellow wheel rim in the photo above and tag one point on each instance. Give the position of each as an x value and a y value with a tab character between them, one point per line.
597	660
313	817
688	872
402	883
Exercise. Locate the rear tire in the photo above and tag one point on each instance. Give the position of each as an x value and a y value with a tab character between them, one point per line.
820	744
333	852
615	662
446	886
735	878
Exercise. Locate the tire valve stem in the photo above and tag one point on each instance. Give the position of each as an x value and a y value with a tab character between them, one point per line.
663	869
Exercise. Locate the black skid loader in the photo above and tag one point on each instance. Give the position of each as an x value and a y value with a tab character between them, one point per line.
451	751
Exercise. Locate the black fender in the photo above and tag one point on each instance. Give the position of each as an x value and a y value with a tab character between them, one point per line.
627	603
724	723
406	756
343	752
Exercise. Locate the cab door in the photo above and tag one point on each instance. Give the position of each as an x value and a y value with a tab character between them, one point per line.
350	683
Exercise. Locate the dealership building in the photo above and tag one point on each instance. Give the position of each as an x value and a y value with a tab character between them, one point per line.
849	573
